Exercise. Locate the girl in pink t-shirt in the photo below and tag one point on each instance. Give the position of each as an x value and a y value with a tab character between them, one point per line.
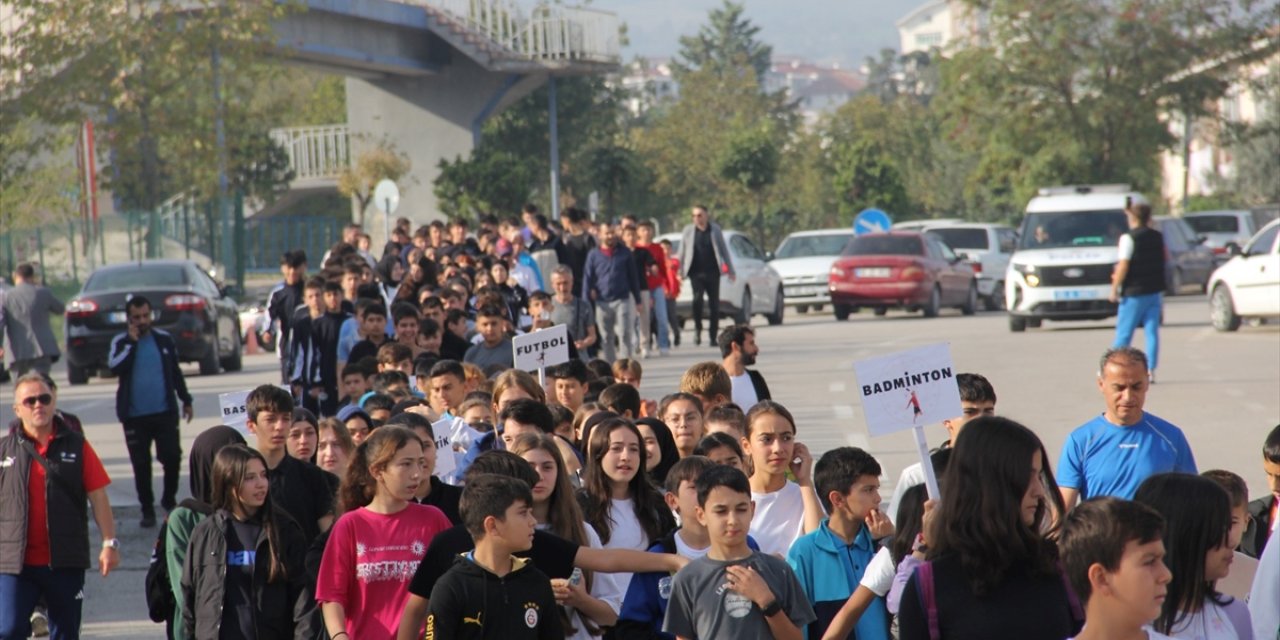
375	547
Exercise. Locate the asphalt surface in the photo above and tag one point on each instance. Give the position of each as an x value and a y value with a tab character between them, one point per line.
1222	389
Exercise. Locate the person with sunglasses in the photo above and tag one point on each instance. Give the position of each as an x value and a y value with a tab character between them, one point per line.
47	473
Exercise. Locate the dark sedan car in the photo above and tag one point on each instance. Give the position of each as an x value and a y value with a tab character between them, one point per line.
202	318
901	269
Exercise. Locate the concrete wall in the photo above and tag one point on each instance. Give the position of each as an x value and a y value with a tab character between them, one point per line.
428	118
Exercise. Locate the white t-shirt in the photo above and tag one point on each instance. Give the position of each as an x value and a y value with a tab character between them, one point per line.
1126	249
1209	623
626	533
744	393
779	518
879	574
911	476
687	551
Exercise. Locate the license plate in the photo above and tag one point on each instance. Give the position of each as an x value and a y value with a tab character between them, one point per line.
806	291
1075	294
872	272
116	317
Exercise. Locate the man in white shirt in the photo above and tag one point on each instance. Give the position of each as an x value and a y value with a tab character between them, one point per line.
738	348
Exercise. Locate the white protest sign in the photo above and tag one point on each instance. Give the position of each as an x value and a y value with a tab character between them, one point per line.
234	412
541	349
446	461
908	388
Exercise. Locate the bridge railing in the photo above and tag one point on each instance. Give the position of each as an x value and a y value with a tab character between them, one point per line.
315	152
551	32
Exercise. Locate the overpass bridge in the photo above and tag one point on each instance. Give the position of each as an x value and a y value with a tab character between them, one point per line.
424	75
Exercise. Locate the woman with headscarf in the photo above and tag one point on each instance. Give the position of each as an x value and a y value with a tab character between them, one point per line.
183	519
390	272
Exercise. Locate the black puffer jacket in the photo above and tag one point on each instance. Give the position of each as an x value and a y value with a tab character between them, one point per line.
283	609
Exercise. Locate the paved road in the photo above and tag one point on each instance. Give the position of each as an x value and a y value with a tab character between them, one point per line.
1222	389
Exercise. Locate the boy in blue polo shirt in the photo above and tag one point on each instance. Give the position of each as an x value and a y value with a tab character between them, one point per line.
830	561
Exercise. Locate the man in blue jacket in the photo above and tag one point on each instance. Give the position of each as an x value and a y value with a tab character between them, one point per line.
612	282
146	361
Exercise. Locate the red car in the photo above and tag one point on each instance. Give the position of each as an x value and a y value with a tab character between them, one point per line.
901	269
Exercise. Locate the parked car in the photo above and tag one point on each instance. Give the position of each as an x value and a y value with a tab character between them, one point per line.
919	225
201	316
803	260
901	269
757	289
1248	285
1221	228
988	247
1188	262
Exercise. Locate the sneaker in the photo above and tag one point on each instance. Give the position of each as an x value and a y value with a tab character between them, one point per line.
148	521
39	624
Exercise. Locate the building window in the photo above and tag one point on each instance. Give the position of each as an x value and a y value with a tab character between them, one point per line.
926	40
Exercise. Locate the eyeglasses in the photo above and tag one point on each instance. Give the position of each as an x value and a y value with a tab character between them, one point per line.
44	399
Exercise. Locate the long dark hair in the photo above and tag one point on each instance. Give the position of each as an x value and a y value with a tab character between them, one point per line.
979	521
597	491
1197	514
374	454
229	468
666	447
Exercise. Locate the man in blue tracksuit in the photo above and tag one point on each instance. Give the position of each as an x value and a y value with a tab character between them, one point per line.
611	281
146	361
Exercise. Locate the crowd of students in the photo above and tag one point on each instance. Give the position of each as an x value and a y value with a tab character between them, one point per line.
416	485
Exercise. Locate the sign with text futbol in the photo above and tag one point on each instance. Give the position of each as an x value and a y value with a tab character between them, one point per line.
542	348
908	389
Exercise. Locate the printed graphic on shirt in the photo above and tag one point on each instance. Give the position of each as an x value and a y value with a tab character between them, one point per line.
389	570
241	558
477	620
530	615
664	588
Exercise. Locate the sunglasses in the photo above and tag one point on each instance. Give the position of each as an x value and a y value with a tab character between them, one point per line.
44	399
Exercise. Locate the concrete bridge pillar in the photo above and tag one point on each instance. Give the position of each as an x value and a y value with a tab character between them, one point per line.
427	118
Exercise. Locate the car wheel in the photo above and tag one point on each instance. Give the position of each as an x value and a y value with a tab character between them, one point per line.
1017	325
1222	311
841	311
802	308
971	300
881	311
235	361
995	301
744	309
77	375
935	302
1175	283
775	318
209	364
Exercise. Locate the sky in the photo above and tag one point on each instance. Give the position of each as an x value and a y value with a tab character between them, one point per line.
843	31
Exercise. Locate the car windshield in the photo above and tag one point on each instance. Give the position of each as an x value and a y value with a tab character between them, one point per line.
1214	224
144	278
962	238
805	246
1072	229
885	245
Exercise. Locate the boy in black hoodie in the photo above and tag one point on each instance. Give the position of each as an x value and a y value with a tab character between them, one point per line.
490	593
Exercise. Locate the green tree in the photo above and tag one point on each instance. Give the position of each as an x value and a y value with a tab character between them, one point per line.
750	161
724	45
381	162
1255	148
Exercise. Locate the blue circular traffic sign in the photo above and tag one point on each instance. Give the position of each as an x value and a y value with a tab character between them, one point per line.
871	221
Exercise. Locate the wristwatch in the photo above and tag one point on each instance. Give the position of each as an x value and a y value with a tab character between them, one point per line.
773	608
111	543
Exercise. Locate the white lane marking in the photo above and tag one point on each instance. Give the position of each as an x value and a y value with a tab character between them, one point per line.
843	411
858	440
836	387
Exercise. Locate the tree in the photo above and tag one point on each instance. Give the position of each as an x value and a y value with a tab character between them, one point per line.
372	166
41	193
1255	148
724	45
1076	90
143	71
866	178
750	161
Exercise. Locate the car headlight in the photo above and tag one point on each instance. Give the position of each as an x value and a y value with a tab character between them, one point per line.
1028	272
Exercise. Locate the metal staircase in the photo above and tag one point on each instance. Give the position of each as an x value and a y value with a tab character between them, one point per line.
500	36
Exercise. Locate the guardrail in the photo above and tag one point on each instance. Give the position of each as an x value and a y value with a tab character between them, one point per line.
550	32
315	152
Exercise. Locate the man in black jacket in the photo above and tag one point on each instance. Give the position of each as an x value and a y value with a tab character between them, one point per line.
738	348
146	361
285	299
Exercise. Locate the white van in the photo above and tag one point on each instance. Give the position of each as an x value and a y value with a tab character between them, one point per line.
1067	250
